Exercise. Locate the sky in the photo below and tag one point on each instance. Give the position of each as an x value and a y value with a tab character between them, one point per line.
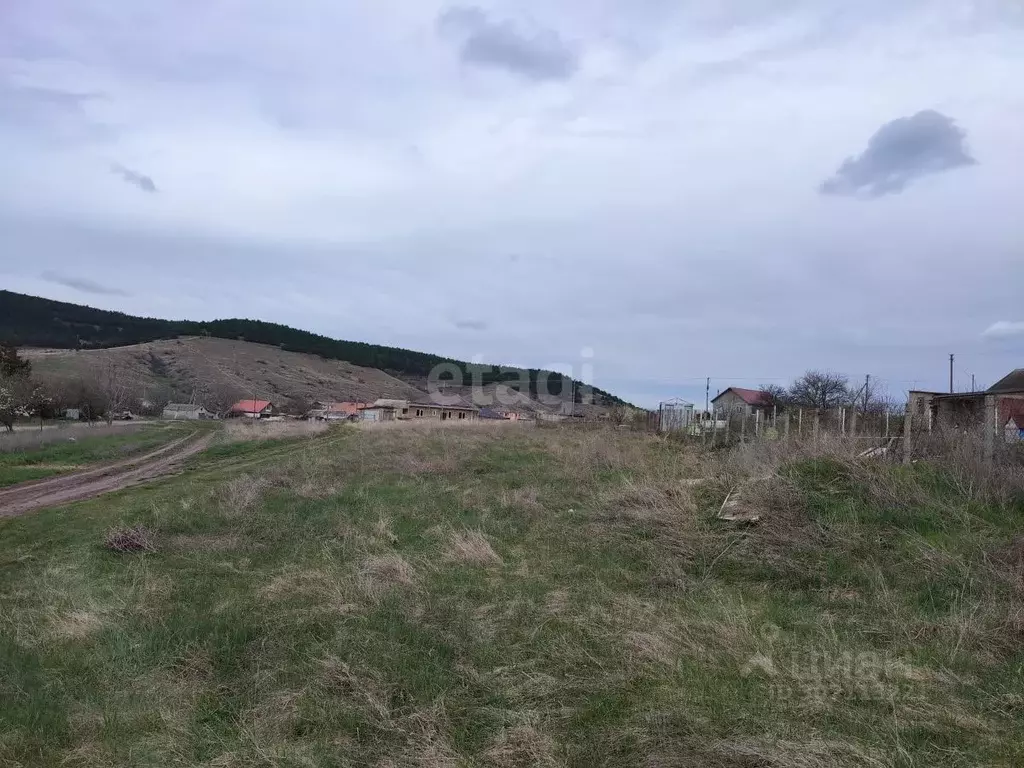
642	193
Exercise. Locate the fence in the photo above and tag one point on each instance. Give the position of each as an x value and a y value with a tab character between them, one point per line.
727	427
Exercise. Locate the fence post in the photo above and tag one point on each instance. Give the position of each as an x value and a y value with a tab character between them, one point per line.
853	422
800	423
817	424
886	423
786	426
906	435
757	423
743	427
842	422
991	420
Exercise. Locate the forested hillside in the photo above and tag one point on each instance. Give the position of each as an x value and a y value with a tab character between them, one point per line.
30	321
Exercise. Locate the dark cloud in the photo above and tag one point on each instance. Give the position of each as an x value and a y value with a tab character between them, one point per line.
471	325
538	54
140	180
900	152
81	284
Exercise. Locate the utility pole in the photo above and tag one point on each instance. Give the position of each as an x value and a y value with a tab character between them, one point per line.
867	383
951	373
972	383
707	394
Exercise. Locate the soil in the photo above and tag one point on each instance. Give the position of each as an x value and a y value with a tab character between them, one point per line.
88	483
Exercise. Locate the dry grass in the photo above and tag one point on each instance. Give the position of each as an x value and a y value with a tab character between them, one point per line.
872	617
239	430
472	547
32	439
136	538
379	574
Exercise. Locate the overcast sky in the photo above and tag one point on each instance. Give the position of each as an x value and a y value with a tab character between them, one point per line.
741	190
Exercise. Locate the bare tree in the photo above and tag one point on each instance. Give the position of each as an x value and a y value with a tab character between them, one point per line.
775	396
115	389
821	390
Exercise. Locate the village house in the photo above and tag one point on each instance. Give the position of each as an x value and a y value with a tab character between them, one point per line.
441	412
737	400
1004	400
344	411
252	409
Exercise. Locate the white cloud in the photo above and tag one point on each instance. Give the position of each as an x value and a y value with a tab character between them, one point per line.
1004	329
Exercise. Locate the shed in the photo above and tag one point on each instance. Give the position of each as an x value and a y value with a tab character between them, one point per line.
188	411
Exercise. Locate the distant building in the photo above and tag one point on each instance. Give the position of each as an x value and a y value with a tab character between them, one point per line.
742	401
345	411
252	409
378	413
441	412
189	411
962	410
72	414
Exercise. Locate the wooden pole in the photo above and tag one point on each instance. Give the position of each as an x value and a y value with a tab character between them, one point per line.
786	426
817	424
800	423
887	422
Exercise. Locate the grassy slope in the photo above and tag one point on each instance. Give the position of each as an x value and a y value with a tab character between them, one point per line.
496	596
61	457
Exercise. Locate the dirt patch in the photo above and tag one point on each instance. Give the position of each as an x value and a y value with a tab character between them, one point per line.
78	486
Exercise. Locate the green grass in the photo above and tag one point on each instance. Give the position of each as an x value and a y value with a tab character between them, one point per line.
65	456
505	597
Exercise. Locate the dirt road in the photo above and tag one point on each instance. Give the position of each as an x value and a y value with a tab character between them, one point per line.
76	486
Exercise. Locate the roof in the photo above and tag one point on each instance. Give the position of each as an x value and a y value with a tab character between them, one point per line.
183	407
490	413
748	396
250	406
1011	382
385	402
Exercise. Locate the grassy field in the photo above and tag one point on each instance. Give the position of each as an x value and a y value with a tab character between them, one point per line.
25	461
501	596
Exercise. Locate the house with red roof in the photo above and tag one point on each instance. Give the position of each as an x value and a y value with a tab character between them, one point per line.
253	409
740	400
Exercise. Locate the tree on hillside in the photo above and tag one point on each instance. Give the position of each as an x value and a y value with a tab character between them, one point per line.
15	385
821	390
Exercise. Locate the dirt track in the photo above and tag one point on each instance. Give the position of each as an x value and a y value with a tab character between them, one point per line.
77	486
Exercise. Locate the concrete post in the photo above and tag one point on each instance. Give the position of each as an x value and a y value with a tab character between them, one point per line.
991	419
906	435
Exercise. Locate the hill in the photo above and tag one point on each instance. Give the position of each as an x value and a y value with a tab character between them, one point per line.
31	321
219	372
